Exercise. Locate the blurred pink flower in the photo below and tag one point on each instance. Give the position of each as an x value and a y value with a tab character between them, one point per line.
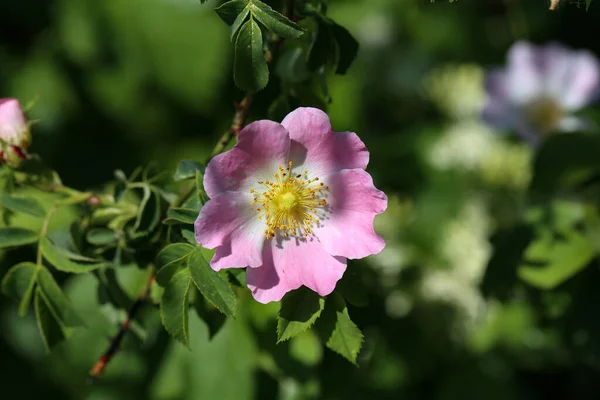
541	87
14	132
291	201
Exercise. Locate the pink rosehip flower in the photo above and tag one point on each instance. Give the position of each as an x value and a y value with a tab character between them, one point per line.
14	129
540	89
292	202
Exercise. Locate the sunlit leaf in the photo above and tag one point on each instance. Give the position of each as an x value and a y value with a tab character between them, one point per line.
299	311
551	260
345	339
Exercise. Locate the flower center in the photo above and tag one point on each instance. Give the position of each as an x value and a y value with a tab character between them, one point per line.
291	203
544	115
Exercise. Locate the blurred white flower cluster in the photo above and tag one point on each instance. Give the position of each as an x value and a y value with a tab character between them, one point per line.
467	144
466	251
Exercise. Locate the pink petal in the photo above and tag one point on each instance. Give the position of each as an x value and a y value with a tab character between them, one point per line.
289	264
261	145
228	222
497	111
524	75
318	147
582	81
12	121
354	201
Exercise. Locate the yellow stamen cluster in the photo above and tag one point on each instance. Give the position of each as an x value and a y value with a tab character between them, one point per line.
290	203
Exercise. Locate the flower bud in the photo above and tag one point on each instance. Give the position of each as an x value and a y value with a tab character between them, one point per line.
15	137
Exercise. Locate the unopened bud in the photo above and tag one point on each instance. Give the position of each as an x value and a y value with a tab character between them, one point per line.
14	129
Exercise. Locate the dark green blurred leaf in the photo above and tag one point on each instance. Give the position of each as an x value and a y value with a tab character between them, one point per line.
346	339
322	49
210	284
49	327
250	70
60	261
299	311
353	288
274	21
148	214
239	20
556	259
230	10
186	169
174	306
347	48
57	301
19	282
11	237
170	260
563	161
212	317
22	204
202	196
101	236
181	216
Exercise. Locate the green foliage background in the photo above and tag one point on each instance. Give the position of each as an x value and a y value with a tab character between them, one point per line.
123	83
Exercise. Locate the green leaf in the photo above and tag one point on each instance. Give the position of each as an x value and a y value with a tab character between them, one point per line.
61	262
101	236
250	71
202	196
213	319
556	259
174	306
565	161
148	213
11	237
58	303
345	339
186	169
23	205
170	260
347	48
587	4
181	216
19	282
239	20
51	331
299	311
210	284
189	236
274	21
230	10
323	47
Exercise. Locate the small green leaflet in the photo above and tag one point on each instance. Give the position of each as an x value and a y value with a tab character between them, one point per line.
12	237
179	265
299	311
19	282
50	329
23	204
250	71
180	216
337	329
62	262
549	261
174	306
186	169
